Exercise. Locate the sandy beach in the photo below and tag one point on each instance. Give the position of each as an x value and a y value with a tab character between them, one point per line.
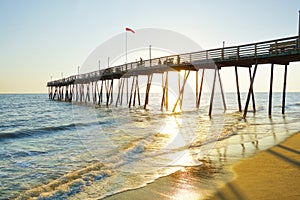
270	174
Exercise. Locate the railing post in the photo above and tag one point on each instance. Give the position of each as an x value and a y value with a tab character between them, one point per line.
223	54
150	55
255	50
238	53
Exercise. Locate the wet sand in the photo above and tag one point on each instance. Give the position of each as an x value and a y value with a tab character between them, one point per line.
270	174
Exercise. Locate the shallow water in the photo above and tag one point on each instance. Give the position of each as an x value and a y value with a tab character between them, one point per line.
55	150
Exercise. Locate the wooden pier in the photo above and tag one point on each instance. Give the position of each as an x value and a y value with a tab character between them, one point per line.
97	85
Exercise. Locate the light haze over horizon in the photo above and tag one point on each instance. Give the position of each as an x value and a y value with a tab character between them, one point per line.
40	39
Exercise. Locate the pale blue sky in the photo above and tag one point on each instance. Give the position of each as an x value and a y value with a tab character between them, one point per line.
39	39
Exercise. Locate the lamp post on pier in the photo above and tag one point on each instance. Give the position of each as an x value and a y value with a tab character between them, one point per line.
299	32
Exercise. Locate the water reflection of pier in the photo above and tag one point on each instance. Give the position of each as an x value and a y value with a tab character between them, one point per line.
98	85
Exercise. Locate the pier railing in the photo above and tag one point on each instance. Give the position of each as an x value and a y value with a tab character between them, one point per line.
266	49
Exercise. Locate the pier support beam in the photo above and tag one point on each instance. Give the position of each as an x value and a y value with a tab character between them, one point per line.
94	91
67	93
271	90
120	83
165	95
54	94
182	92
87	97
197	74
222	92
212	94
238	89
97	92
72	92
200	91
130	98
284	90
149	80
76	95
250	91
179	83
100	95
122	91
137	91
180	95
109	91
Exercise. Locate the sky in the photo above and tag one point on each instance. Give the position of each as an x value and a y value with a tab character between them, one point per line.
44	39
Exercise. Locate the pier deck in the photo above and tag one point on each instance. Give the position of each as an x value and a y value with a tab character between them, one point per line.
280	51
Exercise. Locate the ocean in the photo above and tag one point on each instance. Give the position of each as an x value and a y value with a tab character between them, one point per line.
63	150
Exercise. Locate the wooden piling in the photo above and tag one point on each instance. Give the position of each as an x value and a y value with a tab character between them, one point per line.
138	90
149	80
167	90
123	83
119	91
222	92
107	91
72	94
134	95
181	91
179	83
76	88
101	93
238	89
201	86
55	93
67	93
284	89
87	99
212	94
93	99
271	90
111	91
130	98
197	74
250	91
163	93
95	93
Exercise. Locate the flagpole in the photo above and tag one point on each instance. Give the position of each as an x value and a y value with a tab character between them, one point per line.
126	47
126	69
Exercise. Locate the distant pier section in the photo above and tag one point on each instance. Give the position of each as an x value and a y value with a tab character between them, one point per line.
97	86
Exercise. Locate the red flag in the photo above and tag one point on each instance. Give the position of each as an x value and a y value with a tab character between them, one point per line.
129	29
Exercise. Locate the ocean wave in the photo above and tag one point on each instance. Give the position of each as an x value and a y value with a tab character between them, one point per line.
44	130
68	184
20	153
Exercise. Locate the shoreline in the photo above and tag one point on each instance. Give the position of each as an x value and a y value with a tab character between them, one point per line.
271	178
